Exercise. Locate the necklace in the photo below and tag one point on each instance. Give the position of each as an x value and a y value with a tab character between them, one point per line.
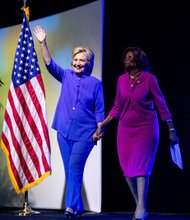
134	76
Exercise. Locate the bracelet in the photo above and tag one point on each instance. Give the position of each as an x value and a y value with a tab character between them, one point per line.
171	129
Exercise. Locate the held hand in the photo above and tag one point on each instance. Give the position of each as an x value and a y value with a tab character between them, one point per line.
40	34
97	134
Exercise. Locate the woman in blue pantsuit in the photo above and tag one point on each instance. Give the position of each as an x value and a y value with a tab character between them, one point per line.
79	111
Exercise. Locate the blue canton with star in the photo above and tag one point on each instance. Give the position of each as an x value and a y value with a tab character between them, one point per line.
26	62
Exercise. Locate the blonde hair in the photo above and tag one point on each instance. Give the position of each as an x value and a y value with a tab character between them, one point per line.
89	54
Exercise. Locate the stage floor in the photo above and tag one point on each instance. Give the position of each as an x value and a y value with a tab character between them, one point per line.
8	214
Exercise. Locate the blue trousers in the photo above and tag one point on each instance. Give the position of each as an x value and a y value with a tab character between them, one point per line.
74	155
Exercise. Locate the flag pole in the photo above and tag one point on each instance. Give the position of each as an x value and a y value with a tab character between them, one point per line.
25	3
27	210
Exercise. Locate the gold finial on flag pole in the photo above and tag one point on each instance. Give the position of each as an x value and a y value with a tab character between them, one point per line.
25	8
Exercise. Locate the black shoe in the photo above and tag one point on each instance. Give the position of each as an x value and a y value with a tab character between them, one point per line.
68	214
78	214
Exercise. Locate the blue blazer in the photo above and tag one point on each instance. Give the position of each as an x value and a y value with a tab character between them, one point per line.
80	106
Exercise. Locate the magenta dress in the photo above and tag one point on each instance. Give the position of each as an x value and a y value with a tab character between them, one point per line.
135	106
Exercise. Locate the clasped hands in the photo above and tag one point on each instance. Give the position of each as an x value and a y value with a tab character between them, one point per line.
97	134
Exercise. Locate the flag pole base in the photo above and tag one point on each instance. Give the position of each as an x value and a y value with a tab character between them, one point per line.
26	211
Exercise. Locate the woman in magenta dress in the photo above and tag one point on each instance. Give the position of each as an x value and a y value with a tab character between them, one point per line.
137	101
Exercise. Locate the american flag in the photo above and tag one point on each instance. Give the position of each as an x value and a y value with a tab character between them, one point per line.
25	138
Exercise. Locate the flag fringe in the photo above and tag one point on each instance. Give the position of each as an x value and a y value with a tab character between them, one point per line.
35	183
14	182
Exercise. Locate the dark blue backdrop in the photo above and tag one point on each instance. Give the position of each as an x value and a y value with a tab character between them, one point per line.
161	29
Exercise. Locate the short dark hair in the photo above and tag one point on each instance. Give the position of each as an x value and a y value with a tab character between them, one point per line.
140	56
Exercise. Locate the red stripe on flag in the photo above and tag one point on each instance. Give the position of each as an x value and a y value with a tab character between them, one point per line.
23	168
23	138
12	167
27	142
38	108
44	123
